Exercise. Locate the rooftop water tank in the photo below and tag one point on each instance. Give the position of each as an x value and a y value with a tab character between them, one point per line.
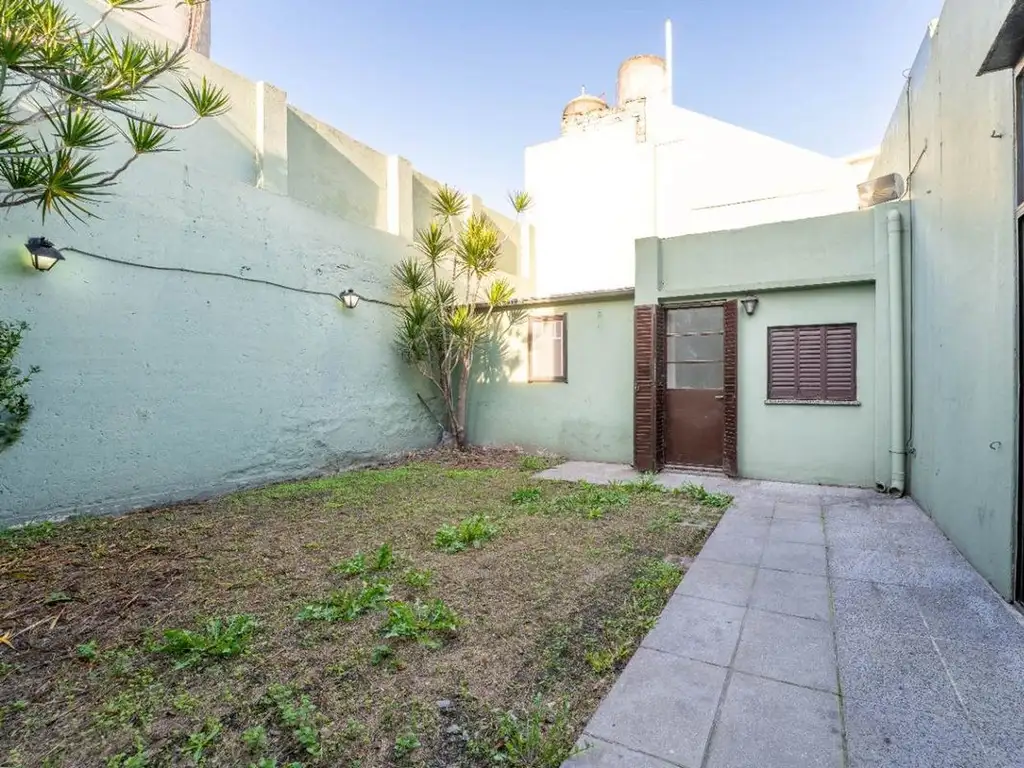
584	104
643	77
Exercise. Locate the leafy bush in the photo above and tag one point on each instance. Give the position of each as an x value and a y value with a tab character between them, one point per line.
472	532
14	405
348	604
219	638
425	623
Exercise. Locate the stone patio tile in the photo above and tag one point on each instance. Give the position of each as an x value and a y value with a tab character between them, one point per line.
879	513
896	670
726	547
885	736
737	524
790	556
749	505
602	754
990	681
767	724
697	629
662	705
795	594
808	513
872	565
798	531
789	649
721	582
867	606
969	613
590	471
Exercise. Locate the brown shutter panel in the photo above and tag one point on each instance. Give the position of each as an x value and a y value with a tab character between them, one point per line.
645	427
661	379
810	363
782	363
840	362
731	387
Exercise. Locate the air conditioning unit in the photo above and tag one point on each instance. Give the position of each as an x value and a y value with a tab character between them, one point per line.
884	189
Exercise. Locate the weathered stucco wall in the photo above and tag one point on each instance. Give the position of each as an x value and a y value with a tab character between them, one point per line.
160	386
831	269
334	173
832	444
962	345
591	416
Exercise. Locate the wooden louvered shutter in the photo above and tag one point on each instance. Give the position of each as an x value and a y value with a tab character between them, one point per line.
813	363
840	362
782	363
645	389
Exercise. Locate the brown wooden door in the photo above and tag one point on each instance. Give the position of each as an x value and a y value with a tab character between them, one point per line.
695	387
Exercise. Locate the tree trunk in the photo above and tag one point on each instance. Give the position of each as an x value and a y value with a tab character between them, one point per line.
462	408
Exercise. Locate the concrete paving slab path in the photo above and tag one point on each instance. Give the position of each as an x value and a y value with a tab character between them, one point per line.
819	627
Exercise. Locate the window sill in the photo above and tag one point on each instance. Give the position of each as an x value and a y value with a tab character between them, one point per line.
813	402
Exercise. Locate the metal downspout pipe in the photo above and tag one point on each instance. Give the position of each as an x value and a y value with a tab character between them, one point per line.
897	441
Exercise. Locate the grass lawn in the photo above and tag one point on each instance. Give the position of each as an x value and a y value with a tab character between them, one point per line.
451	611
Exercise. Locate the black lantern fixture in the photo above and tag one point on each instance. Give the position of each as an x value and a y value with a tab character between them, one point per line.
750	305
44	255
349	298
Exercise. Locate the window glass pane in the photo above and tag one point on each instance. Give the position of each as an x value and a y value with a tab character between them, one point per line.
547	351
695	375
695	320
684	349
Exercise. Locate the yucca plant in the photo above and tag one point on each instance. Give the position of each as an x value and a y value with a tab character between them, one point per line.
68	90
453	300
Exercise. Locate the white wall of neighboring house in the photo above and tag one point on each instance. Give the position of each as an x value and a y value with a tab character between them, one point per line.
597	191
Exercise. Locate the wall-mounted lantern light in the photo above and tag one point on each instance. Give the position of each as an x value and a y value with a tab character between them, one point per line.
750	305
44	255
349	298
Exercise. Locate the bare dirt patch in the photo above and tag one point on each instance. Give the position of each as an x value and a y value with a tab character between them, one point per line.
548	609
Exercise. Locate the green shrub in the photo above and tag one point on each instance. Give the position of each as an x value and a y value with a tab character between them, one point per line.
472	532
348	604
219	638
427	623
14	406
592	501
353	566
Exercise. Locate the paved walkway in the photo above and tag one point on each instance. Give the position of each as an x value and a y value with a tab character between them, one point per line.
818	627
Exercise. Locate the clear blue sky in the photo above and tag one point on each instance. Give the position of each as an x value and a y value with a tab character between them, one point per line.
461	87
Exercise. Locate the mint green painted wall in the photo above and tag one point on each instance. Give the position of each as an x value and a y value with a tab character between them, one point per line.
157	387
830	269
334	173
591	416
962	349
832	444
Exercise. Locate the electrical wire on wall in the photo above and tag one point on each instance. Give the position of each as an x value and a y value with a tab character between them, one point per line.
240	278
